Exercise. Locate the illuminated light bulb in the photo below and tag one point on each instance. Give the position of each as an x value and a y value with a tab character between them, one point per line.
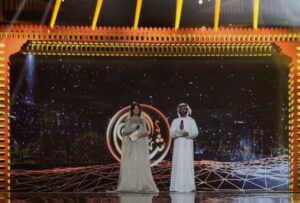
200	2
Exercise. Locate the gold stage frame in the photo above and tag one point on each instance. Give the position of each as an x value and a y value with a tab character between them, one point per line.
161	42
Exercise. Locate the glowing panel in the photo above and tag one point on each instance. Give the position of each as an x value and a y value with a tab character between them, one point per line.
157	124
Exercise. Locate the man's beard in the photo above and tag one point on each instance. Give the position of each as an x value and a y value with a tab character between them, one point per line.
182	114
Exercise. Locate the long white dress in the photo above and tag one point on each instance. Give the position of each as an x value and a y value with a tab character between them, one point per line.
182	176
135	172
136	198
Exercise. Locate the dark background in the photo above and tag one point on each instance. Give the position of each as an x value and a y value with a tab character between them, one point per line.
61	106
154	13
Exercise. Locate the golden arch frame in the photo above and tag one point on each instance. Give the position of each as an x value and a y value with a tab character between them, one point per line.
106	41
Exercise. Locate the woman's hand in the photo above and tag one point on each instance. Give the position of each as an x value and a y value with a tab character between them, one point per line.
143	134
128	132
132	131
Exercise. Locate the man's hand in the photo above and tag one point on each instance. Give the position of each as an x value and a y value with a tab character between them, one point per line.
185	134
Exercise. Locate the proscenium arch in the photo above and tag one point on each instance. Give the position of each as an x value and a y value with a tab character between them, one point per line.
194	42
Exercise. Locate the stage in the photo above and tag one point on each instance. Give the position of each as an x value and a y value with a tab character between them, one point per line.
67	83
162	197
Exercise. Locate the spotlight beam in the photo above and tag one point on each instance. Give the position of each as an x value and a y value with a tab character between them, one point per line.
217	14
178	13
137	13
255	13
15	18
55	12
97	13
46	12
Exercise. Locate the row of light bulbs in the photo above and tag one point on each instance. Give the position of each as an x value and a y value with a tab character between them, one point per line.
202	1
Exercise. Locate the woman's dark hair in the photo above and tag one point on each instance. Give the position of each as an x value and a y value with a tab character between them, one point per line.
132	107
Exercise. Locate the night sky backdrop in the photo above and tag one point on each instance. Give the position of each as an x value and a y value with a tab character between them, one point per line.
60	103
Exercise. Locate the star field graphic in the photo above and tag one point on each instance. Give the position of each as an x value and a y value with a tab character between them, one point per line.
61	105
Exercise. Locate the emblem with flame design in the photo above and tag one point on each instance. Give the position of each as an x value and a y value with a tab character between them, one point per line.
157	125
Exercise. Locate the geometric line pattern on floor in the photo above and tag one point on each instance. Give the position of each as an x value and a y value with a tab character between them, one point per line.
268	174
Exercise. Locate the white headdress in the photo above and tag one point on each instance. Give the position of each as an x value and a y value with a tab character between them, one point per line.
189	113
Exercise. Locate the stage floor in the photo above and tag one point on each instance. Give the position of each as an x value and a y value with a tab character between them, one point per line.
163	197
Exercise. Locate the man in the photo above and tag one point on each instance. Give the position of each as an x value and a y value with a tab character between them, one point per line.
183	130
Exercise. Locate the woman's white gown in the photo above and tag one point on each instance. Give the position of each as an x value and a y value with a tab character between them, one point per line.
135	172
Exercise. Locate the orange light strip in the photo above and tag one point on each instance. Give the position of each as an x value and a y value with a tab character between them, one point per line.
217	13
96	14
255	13
137	13
55	12
178	13
4	120
294	161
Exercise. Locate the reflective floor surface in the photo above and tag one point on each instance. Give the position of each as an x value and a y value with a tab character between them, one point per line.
163	197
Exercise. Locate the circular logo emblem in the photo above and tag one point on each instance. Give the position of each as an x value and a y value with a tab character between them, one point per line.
157	125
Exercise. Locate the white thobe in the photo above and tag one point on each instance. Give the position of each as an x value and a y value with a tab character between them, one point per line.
188	197
182	176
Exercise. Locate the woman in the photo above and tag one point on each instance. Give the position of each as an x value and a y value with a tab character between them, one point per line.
135	172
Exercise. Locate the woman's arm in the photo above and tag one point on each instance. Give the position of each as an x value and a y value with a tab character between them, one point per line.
127	129
144	132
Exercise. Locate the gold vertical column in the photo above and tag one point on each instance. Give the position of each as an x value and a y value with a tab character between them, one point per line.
217	13
178	13
294	124
292	130
294	138
55	12
137	13
255	13
97	13
4	120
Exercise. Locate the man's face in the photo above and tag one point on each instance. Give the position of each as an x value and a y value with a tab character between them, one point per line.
183	111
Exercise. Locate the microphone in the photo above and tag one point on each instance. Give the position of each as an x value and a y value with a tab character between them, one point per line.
181	125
